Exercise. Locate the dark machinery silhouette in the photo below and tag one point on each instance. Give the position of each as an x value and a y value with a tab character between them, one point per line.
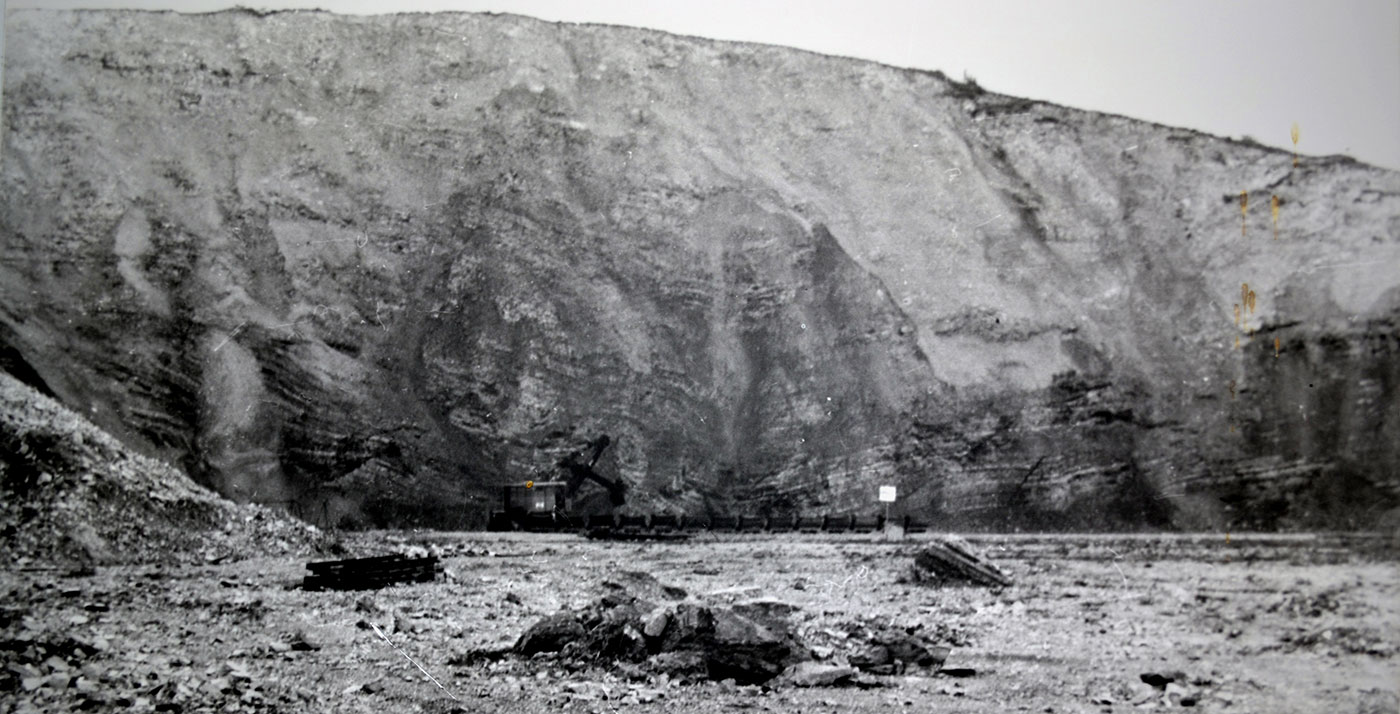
548	505
580	472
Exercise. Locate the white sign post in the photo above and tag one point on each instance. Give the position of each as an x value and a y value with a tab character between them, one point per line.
892	531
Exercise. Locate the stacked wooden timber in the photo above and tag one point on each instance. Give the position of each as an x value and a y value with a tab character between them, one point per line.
369	573
949	559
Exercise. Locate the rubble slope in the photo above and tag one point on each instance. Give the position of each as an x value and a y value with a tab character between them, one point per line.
75	495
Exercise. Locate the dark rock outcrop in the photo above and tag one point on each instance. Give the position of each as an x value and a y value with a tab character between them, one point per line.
367	268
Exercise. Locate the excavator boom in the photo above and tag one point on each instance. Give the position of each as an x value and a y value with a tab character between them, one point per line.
580	472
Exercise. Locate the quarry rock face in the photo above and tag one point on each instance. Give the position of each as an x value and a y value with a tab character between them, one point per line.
369	268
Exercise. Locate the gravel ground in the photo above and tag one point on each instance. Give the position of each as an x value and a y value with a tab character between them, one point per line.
1298	623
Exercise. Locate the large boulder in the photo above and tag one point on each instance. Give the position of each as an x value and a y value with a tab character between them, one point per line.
686	640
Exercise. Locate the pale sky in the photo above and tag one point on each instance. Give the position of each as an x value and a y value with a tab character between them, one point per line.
1233	68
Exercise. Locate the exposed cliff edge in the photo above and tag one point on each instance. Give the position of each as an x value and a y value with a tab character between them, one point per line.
369	267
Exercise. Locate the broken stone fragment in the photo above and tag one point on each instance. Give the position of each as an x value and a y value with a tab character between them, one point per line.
1162	679
588	691
813	674
870	657
914	650
643	696
1181	695
766	608
549	634
656	623
300	642
641	586
688	665
237	671
747	651
690	625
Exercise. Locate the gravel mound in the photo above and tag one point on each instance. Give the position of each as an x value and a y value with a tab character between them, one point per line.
74	495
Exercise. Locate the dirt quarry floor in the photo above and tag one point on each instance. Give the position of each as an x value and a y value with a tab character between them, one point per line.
1305	623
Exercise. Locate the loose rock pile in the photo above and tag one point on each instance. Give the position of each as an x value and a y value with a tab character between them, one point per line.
43	669
644	629
72	494
660	632
888	650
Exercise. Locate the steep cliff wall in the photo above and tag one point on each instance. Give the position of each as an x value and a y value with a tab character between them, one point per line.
372	266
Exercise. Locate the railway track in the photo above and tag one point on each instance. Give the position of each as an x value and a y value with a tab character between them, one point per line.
662	524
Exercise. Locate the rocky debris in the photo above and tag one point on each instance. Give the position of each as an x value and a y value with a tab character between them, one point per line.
681	639
950	559
43	670
171	629
1306	604
1333	640
73	494
894	652
881	647
770	611
1176	688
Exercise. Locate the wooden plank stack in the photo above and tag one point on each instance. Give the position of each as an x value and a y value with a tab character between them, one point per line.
370	573
950	559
